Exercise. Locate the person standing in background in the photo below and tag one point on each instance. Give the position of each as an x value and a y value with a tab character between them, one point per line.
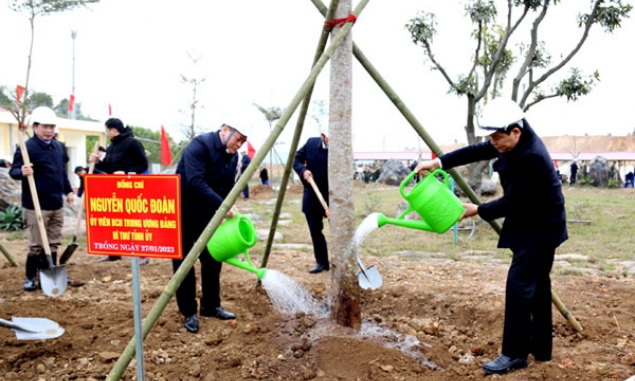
244	163
311	161
124	155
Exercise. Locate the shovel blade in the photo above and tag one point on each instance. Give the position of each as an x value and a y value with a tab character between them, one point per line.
54	281
370	278
36	328
68	252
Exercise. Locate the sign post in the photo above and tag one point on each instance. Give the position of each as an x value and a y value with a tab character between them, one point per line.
135	216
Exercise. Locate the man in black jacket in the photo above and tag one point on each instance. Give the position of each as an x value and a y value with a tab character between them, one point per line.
48	168
208	170
124	155
311	161
535	225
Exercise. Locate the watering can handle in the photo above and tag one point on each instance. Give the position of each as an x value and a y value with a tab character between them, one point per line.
405	182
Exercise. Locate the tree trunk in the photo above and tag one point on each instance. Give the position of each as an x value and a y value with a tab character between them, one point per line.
345	291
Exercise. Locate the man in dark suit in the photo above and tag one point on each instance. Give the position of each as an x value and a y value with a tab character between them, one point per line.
311	161
48	168
208	171
535	225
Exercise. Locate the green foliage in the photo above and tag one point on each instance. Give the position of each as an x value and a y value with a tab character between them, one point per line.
90	143
609	15
151	141
612	183
45	7
422	28
481	12
575	86
584	180
11	219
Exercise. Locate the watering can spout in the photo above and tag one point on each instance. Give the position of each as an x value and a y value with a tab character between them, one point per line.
246	266
413	224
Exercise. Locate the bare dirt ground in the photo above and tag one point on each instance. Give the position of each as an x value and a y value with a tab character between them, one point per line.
455	310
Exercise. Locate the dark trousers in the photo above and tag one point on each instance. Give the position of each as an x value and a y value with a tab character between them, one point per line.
210	274
315	220
528	305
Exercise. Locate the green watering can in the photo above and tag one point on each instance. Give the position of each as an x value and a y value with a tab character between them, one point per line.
234	237
433	200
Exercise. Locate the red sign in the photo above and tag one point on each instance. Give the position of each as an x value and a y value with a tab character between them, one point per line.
133	215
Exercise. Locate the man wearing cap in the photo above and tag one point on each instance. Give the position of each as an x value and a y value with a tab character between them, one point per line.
535	225
48	168
208	171
311	161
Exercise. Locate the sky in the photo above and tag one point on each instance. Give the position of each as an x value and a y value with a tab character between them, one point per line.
131	55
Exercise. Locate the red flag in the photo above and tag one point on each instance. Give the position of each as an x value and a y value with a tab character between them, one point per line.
71	103
19	91
433	155
109	110
251	151
166	155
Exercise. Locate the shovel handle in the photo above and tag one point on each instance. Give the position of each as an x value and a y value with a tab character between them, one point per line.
36	200
318	193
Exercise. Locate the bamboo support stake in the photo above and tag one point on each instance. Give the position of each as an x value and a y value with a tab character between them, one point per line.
8	256
169	291
296	138
405	111
565	312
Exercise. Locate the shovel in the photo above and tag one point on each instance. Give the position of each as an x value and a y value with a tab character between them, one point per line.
369	278
70	249
33	328
54	279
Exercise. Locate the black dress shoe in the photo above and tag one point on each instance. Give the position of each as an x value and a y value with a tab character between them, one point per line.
503	365
217	312
319	269
191	323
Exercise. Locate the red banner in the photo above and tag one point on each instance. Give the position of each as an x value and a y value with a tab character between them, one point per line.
133	215
19	91
166	155
71	103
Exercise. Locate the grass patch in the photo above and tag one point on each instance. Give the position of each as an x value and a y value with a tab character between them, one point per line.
607	237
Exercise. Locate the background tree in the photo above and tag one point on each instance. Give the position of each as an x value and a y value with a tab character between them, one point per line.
193	83
270	114
32	9
493	59
151	141
33	100
61	109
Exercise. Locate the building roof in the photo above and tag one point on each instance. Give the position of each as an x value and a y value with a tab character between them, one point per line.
566	148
